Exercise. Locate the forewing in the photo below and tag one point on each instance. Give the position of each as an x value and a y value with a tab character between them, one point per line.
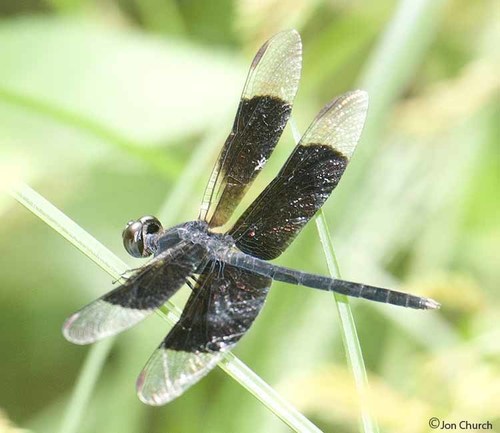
222	307
306	180
264	109
149	288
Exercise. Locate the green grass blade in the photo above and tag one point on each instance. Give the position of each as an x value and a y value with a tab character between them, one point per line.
115	267
155	158
349	334
270	398
68	229
94	362
396	56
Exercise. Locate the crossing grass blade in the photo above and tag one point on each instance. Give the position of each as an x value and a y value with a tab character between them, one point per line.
349	335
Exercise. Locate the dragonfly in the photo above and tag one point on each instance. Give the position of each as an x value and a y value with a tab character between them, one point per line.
230	272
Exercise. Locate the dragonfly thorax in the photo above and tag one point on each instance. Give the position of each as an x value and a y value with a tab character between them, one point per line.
198	232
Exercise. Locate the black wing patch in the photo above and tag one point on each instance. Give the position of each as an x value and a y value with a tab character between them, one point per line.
306	180
139	296
222	307
263	112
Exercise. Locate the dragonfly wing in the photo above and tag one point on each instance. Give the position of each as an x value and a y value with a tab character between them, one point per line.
149	288
222	307
263	112
306	180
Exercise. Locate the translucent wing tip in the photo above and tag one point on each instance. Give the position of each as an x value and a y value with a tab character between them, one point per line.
155	386
72	333
291	35
290	38
281	39
288	42
358	98
361	96
155	398
168	373
98	320
275	69
340	123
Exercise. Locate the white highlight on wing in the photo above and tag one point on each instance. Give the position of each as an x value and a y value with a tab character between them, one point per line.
169	373
340	123
275	70
100	319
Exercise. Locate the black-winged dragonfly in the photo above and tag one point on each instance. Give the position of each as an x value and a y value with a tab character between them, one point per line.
230	273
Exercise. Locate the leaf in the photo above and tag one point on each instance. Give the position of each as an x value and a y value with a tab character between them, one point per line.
145	88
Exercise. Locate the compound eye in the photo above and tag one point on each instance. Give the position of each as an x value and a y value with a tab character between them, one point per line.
132	238
150	225
135	236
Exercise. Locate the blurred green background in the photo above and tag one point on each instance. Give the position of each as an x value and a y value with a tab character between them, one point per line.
114	109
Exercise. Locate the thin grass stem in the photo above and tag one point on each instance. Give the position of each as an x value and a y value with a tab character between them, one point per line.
349	334
80	397
350	338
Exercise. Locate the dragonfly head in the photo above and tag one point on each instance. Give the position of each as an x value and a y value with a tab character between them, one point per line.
137	236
